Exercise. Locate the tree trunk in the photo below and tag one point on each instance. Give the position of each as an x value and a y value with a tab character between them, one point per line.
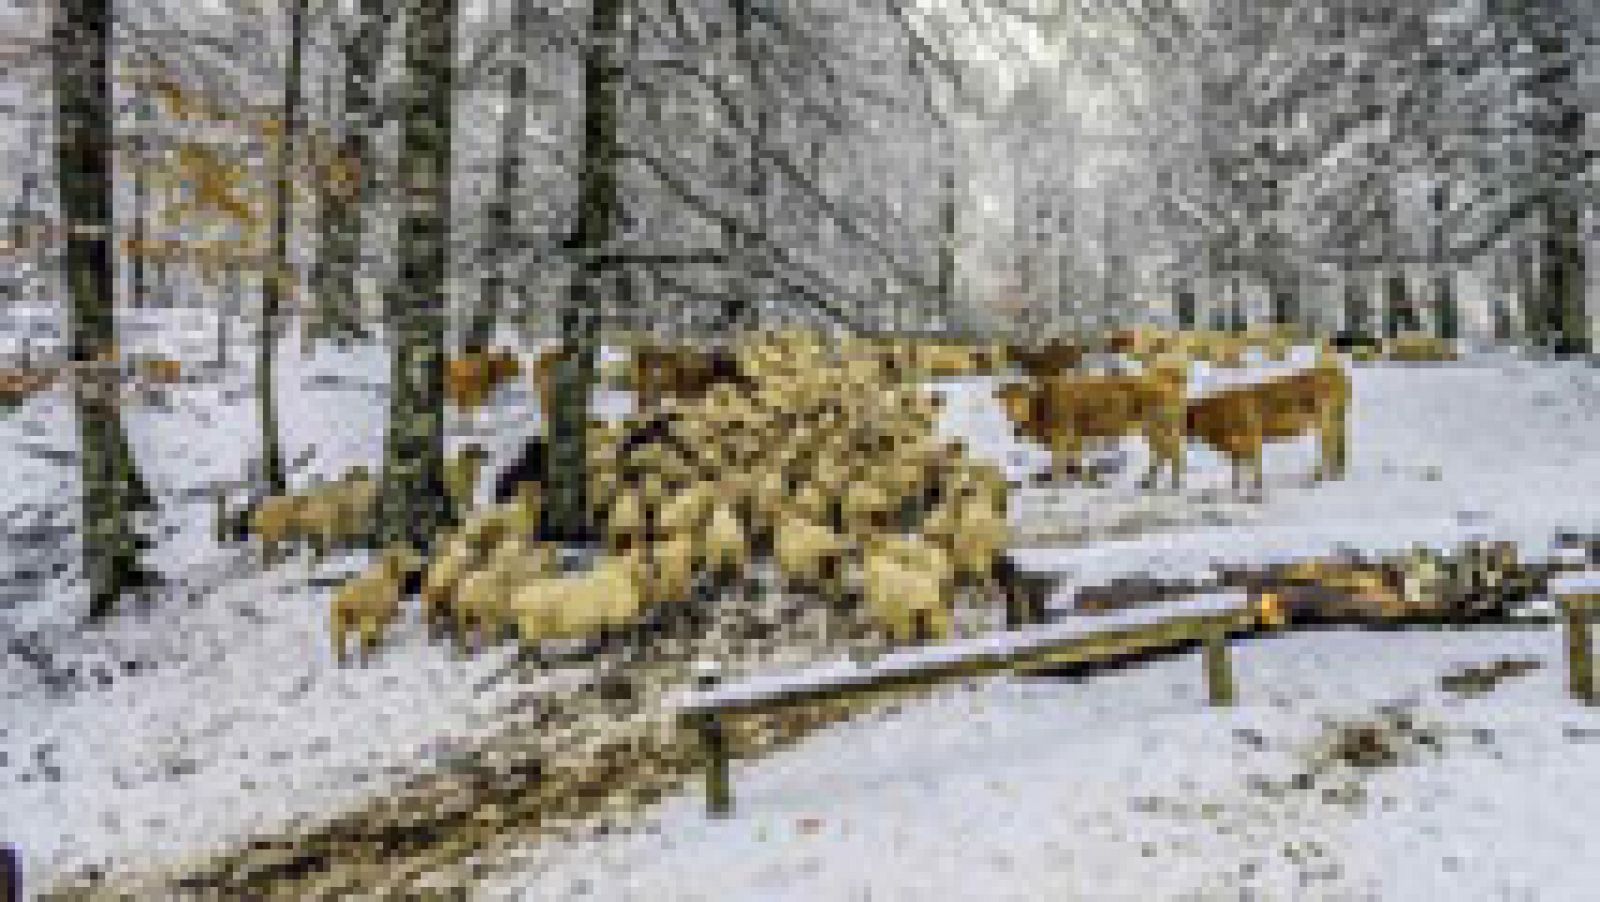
137	281
1399	314
1285	305
947	243
413	505
1563	160
567	515
1357	308
1565	327
344	227
112	489
1446	309
502	213
1529	295
338	316
280	270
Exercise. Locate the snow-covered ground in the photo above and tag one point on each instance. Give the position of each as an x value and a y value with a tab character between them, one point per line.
236	718
1125	786
215	714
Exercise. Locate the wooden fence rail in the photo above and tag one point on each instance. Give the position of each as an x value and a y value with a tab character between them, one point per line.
1209	619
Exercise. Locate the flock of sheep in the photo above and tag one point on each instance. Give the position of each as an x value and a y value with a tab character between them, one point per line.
817	454
821	457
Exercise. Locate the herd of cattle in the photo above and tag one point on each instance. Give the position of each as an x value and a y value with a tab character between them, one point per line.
816	457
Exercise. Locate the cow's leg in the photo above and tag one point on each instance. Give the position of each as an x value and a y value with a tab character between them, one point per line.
337	629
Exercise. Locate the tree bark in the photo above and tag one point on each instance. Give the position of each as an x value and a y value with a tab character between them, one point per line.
1446	310
1284	303
344	227
1357	307
1186	307
413	505
280	275
111	486
1563	159
947	242
338	316
1565	327
567	511
502	214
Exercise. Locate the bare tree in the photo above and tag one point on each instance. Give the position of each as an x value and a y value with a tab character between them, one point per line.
412	502
112	488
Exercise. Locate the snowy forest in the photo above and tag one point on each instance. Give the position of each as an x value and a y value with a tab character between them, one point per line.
670	337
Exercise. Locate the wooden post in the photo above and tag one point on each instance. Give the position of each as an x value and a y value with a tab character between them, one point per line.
1219	678
1580	663
220	516
714	744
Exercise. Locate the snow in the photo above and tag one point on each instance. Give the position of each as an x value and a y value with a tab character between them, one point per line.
1586	583
238	719
1041	789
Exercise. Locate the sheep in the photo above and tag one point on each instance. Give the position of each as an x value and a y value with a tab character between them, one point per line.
541	611
675	560
455	560
769	492
274	521
626	523
812	503
320	517
357	498
898	596
911	550
682	512
980	534
804	549
481	607
725	547
369	602
575	606
863	506
614	588
518	517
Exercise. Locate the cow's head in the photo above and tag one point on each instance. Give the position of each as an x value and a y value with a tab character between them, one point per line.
1019	400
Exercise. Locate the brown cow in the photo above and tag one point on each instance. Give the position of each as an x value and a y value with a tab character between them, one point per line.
16	385
1239	422
1047	360
1064	412
680	372
471	378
